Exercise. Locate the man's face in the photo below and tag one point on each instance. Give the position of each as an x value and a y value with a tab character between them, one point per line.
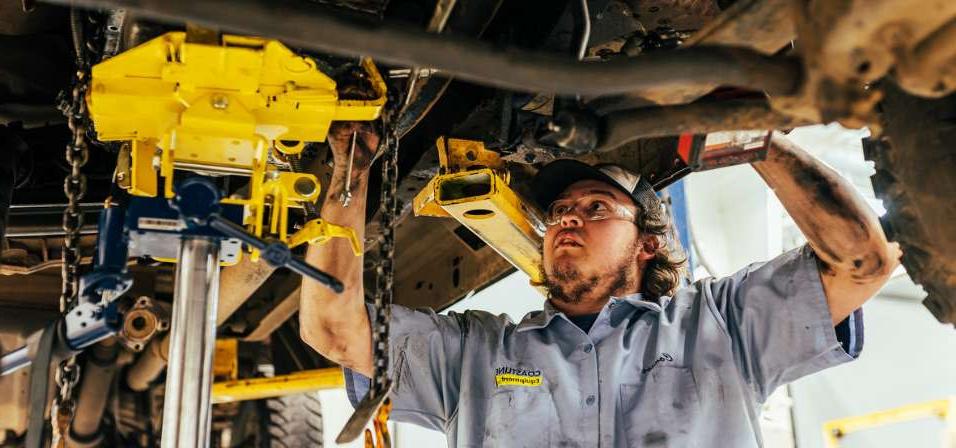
582	256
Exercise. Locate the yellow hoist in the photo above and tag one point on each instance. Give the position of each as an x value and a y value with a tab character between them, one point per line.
222	109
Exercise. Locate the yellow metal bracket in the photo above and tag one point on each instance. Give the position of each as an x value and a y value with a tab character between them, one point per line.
221	109
318	231
225	364
945	409
279	190
473	187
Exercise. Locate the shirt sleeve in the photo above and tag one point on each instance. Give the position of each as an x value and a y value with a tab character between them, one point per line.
425	367
779	322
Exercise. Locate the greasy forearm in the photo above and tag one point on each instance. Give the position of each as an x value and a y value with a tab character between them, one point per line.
843	231
831	214
336	256
336	325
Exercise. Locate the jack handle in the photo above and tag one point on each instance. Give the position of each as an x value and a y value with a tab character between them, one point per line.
275	253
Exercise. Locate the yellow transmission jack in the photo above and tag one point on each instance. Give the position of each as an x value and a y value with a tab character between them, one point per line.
221	109
472	187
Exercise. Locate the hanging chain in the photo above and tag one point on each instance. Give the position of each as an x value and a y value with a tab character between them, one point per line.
385	271
77	154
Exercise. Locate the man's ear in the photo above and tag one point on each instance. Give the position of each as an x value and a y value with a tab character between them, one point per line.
650	244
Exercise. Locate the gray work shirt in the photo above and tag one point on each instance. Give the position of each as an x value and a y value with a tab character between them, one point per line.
686	371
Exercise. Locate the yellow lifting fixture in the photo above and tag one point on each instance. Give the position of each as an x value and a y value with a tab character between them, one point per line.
222	109
944	409
472	187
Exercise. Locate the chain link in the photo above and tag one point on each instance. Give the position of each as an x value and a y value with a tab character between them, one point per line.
385	271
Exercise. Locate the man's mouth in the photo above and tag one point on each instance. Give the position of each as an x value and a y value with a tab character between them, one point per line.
567	239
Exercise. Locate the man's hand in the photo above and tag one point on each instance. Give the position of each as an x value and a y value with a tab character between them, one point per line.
855	258
336	325
366	144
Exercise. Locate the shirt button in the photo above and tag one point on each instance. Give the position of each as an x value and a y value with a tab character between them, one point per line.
590	400
588	348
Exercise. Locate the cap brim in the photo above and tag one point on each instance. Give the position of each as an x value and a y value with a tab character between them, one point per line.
557	176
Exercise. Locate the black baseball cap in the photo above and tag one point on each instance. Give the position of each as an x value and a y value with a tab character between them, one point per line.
557	176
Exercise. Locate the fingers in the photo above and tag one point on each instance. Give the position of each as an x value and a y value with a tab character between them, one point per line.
345	129
366	145
340	134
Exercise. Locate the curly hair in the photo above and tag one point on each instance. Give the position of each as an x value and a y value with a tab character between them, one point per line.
662	275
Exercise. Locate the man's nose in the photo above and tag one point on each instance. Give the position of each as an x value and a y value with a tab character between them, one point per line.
571	219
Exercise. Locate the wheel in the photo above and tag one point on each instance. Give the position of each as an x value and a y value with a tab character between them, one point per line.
293	421
916	178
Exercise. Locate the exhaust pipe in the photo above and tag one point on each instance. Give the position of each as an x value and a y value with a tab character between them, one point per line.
98	373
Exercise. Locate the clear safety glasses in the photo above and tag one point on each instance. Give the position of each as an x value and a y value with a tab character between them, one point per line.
589	208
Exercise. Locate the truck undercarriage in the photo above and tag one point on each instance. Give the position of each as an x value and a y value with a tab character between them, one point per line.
519	83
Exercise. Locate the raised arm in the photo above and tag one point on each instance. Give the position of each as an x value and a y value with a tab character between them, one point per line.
854	256
336	325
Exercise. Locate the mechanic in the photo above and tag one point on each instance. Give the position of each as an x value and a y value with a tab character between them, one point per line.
619	356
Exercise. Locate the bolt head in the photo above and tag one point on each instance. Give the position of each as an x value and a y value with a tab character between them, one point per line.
220	102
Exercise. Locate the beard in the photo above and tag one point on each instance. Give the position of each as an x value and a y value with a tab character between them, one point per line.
568	284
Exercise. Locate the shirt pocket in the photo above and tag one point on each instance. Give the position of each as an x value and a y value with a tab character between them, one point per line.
520	417
661	408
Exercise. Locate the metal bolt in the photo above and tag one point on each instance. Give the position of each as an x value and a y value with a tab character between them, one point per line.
220	102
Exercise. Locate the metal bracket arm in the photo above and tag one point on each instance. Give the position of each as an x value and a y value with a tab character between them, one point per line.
318	231
85	325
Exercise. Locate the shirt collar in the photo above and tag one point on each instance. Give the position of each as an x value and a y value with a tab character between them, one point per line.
638	301
541	319
538	319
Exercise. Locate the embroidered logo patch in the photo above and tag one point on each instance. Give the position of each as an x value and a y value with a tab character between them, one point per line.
508	376
664	357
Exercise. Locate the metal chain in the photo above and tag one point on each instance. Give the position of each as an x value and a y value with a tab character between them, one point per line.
385	271
77	154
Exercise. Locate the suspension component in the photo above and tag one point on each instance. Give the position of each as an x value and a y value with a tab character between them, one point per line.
141	323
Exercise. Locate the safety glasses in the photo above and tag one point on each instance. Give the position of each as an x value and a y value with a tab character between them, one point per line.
589	208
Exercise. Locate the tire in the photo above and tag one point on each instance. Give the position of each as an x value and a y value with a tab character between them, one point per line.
294	421
915	177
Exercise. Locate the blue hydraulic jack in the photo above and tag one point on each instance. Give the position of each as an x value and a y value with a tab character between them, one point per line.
206	233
